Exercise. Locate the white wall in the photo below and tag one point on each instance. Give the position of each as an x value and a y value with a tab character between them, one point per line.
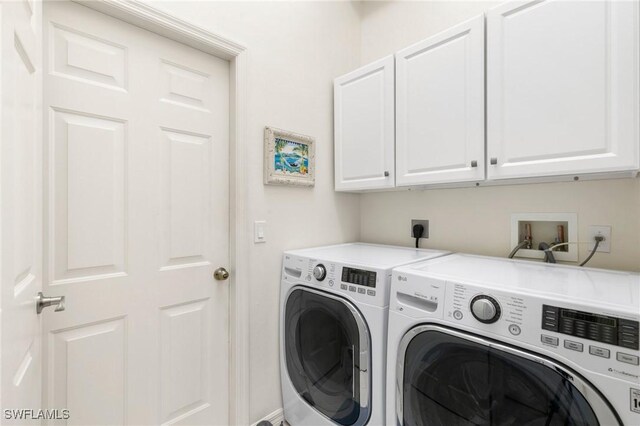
294	52
477	220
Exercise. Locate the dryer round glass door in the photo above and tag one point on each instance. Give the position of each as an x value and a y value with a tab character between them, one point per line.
327	355
447	377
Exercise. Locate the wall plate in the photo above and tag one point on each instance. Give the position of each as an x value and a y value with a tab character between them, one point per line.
605	231
422	222
259	231
544	229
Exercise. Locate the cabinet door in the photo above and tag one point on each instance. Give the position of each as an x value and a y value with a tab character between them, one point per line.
562	88
440	107
364	127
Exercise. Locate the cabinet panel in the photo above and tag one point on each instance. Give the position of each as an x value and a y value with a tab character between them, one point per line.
364	127
440	107
562	88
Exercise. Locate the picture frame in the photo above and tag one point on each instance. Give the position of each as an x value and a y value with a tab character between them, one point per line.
289	158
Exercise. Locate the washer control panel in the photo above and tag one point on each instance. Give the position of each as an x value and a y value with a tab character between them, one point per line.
595	338
602	341
600	328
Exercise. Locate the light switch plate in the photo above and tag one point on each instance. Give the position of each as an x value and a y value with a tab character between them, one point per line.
259	231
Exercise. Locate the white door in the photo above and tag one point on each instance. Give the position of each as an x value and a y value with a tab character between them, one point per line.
364	127
562	88
440	107
137	130
20	206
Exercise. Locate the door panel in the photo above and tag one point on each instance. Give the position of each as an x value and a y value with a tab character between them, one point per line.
137	156
186	198
77	357
88	156
562	88
86	58
20	204
440	107
364	127
184	358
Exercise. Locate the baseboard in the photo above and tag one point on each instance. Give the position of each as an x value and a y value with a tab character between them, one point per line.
275	418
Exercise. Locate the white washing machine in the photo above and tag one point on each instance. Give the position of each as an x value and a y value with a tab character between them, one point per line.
489	341
334	308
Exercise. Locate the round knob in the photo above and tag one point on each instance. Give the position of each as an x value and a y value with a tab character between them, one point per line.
485	309
319	272
221	274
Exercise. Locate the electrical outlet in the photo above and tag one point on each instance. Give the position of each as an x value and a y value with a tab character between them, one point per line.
605	231
422	222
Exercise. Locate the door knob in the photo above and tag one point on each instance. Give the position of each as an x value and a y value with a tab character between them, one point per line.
42	302
221	274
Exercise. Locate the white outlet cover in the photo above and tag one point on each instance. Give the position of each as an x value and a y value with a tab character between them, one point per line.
605	231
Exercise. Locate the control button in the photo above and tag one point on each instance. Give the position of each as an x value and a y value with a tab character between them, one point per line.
352	288
457	315
371	292
331	283
629	345
485	309
319	272
343	286
628	359
574	346
549	340
597	351
362	290
549	318
514	329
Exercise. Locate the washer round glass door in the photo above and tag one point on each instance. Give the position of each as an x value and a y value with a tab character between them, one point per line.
327	349
447	377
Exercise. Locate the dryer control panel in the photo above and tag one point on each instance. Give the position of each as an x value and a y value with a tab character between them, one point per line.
359	276
368	286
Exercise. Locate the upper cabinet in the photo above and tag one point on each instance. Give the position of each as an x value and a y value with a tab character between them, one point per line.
562	88
364	128
440	108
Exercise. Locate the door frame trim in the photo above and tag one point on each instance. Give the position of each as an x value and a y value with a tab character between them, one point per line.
149	18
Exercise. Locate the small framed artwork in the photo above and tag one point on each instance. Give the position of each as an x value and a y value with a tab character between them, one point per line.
289	158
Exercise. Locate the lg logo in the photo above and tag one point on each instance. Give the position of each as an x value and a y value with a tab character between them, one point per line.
401	278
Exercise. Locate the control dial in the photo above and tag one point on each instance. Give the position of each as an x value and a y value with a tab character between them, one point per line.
319	272
485	309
